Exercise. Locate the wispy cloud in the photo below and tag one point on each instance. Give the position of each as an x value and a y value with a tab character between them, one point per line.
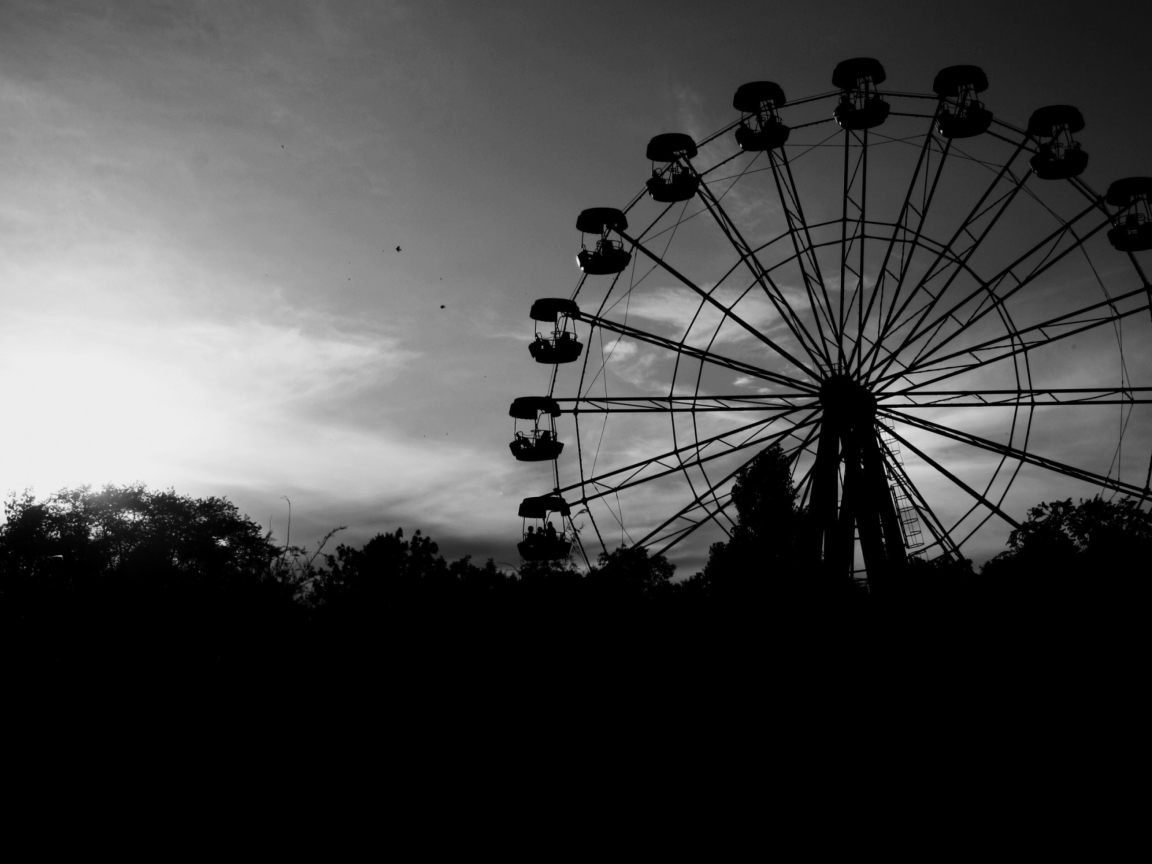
103	398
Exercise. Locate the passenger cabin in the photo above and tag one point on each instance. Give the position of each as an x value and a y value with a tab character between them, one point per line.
675	181
561	346
961	114
1132	231
542	542
538	444
760	126
860	107
1059	155
608	256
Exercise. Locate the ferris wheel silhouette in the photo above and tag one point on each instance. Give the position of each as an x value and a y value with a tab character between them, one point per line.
924	306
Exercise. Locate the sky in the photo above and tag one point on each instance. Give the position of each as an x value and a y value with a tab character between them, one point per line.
201	204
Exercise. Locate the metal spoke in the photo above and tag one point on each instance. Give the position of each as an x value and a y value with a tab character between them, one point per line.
843	256
805	257
707	295
672	404
987	288
636	467
815	348
922	213
901	219
1077	396
699	502
935	524
1014	336
997	301
877	348
973	215
1016	453
956	480
695	353
963	260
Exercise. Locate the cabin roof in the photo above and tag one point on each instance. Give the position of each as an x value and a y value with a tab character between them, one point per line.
670	146
1044	120
595	220
949	80
539	507
849	72
527	407
1123	192
749	96
549	308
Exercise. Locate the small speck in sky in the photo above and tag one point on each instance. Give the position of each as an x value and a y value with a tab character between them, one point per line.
397	248
441	305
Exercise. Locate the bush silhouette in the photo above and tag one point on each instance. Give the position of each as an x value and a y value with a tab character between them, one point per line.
130	573
1097	548
764	560
130	576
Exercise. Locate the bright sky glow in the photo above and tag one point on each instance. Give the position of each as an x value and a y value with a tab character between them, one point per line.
200	205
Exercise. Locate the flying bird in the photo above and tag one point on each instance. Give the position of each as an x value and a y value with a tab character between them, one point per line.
397	248
441	305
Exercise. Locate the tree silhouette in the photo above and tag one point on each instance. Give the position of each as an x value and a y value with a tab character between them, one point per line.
764	557
125	527
630	571
130	575
398	598
1095	548
134	573
388	574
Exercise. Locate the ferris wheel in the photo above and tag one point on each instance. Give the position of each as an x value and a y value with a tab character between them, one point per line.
924	306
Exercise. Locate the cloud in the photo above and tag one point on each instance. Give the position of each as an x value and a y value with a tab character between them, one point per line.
619	351
682	315
638	368
681	311
98	397
690	111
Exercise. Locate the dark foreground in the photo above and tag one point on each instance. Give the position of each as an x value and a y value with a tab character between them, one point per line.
162	590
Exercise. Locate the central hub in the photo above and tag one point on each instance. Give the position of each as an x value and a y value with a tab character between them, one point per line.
846	399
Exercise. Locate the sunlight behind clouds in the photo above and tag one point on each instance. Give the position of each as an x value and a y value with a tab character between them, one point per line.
118	401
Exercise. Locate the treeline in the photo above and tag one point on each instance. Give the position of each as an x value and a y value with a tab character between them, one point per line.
127	576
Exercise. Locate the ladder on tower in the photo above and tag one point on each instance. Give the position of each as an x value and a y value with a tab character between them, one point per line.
905	509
